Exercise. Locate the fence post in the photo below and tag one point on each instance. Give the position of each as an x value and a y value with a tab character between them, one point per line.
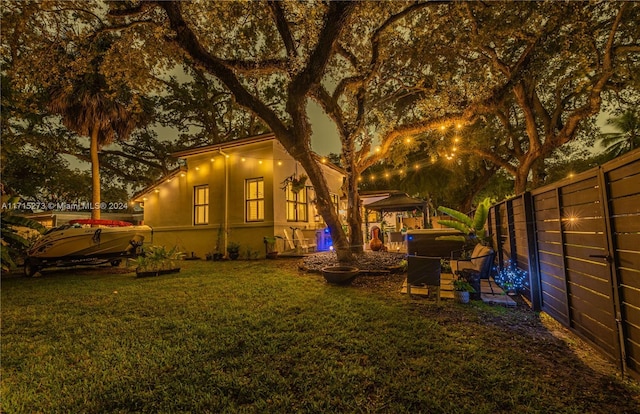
535	288
498	225
511	233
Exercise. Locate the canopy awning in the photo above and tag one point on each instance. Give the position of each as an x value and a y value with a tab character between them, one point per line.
398	202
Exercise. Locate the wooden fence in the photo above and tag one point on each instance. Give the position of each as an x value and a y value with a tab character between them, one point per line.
579	241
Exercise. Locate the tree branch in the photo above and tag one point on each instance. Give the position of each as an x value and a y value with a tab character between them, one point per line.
188	41
283	28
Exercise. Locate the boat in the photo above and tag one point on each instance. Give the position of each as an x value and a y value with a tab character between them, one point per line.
86	242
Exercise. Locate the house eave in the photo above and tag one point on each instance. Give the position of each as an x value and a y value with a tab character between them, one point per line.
139	196
223	146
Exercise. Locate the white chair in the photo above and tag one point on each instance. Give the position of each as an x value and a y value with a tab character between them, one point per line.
396	241
305	244
288	240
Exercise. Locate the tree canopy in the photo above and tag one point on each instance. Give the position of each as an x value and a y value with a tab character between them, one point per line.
523	79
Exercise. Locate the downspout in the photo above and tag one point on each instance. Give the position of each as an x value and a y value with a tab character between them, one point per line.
226	199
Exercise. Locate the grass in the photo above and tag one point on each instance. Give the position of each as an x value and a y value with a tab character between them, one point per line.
260	337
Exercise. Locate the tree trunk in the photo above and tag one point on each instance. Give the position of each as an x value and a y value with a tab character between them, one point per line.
479	183
95	175
521	180
324	204
354	219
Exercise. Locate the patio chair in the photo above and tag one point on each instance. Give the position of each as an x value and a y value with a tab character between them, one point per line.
305	243
476	267
288	240
395	240
424	270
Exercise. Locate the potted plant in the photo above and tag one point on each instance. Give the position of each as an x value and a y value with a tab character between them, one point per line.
233	250
297	184
462	290
270	246
157	260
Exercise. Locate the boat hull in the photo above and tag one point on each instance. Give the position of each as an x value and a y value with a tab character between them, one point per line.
86	245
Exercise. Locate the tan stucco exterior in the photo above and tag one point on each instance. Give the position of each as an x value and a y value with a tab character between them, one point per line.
169	205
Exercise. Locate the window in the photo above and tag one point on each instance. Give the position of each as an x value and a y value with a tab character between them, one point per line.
255	199
335	200
201	204
297	204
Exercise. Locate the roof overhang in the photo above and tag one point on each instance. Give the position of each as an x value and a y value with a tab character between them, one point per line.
139	196
398	202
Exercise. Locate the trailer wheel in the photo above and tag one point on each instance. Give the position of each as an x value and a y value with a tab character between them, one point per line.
116	263
30	268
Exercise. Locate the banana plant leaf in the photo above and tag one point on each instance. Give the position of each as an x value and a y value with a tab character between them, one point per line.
456	215
452	238
482	212
461	227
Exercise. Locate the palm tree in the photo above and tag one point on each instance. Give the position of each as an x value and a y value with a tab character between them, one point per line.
90	107
627	136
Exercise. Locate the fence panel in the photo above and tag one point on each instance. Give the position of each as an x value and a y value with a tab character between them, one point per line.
553	289
579	240
622	185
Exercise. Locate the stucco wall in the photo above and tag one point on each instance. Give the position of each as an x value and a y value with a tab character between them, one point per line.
169	207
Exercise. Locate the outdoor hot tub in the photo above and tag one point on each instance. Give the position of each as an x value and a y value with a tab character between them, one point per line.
423	242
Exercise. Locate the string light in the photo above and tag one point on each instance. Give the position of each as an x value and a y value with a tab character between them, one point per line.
510	277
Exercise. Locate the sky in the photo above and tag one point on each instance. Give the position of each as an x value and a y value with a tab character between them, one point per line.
324	138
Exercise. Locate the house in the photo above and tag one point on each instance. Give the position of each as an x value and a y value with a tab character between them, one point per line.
239	191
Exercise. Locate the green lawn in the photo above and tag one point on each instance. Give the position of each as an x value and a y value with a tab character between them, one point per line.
261	337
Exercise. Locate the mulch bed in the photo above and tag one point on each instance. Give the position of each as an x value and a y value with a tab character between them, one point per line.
369	263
